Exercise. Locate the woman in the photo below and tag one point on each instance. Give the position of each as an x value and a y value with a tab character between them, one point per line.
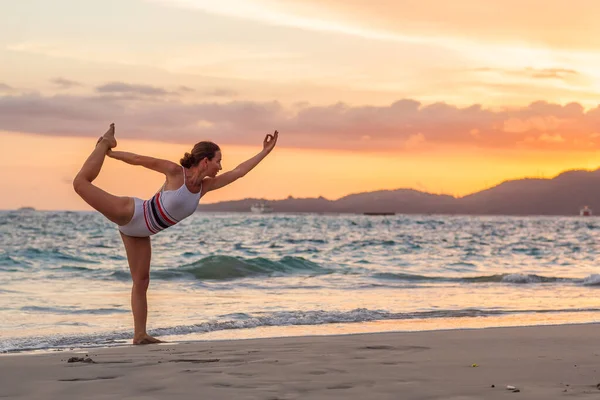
185	184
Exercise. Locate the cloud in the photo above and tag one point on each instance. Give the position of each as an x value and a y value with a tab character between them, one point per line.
533	73
221	92
415	140
507	21
559	73
5	88
537	123
132	89
551	138
185	89
65	83
405	125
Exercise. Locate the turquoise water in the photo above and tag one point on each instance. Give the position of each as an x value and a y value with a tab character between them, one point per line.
64	280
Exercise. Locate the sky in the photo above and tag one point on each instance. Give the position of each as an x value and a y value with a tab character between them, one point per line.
437	96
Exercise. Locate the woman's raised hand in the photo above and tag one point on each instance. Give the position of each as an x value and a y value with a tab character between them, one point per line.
270	141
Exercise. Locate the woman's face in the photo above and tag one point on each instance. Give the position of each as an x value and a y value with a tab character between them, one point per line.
214	165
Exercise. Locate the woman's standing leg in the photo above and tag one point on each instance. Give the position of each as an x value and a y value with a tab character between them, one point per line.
139	252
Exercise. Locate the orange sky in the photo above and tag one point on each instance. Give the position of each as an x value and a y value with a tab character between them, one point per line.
37	171
444	97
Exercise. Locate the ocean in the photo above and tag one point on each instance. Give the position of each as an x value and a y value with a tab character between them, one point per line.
64	279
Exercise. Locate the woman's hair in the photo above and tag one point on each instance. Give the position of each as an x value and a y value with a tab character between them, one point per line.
200	150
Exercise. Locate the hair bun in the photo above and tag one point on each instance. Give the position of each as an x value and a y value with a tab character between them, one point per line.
188	160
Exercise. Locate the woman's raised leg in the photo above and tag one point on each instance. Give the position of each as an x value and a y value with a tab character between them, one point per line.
117	209
139	252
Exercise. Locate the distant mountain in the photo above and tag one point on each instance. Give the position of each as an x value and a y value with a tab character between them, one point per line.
563	195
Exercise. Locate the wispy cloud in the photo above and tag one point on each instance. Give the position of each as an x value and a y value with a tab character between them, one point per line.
5	88
535	73
65	83
310	19
132	89
560	73
507	21
221	92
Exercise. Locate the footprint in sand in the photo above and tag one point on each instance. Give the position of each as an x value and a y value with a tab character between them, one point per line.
197	361
87	379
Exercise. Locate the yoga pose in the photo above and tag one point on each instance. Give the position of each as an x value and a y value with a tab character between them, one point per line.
137	219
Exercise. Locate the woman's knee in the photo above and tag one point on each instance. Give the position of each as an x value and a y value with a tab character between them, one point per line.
141	283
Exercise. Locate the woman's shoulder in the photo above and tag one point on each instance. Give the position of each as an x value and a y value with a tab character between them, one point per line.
174	169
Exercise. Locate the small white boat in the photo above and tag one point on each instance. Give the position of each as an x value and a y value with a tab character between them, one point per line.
261	208
585	211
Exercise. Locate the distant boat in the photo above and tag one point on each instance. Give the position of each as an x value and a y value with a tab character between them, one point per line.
585	211
26	209
261	208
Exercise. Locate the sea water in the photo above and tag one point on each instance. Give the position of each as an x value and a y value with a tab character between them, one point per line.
65	282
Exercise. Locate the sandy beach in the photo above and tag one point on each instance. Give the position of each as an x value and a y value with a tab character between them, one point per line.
543	362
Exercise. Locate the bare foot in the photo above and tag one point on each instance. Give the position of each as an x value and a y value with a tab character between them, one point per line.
146	339
109	137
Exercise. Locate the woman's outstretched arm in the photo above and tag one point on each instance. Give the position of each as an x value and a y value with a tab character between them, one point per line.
230	176
156	164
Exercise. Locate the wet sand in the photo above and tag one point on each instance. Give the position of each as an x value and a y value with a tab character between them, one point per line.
544	362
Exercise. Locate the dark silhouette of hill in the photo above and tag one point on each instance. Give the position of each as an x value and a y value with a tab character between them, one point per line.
564	194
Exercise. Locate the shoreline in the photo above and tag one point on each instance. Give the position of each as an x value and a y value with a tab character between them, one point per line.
541	361
323	330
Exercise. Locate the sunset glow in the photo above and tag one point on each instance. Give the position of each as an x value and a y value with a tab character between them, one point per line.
429	95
